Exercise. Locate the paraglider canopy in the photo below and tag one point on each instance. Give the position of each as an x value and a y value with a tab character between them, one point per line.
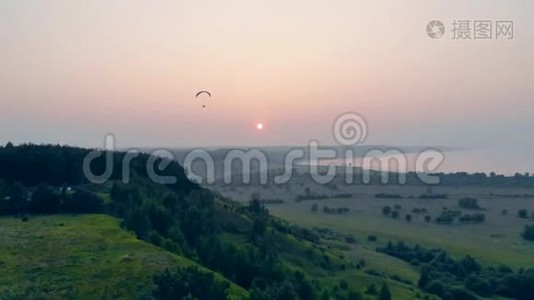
201	92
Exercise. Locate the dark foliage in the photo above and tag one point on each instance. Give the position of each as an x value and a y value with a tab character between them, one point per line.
473	218
528	233
468	203
384	294
462	279
448	216
44	200
386	210
58	166
388	196
522	213
83	202
338	210
189	282
433	196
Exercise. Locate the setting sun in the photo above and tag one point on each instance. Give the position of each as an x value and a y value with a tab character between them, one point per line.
259	126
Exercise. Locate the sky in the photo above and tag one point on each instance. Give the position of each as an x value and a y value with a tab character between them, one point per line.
73	71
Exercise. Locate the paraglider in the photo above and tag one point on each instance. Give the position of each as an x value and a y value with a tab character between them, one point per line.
203	92
209	94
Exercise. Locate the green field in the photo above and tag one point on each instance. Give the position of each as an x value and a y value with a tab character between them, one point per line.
495	242
79	257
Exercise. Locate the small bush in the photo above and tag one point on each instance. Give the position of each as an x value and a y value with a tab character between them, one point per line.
528	233
522	213
468	203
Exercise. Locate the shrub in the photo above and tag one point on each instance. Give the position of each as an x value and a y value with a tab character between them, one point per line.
350	239
384	294
528	233
474	218
374	272
371	289
386	210
83	202
468	203
522	213
187	282
44	201
479	285
355	295
434	287
461	293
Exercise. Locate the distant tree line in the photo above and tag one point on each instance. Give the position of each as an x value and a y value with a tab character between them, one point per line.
309	197
433	196
446	217
388	196
335	210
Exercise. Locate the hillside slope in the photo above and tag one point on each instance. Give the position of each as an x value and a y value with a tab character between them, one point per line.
79	257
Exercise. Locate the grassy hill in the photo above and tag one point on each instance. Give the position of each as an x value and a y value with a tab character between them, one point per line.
80	257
